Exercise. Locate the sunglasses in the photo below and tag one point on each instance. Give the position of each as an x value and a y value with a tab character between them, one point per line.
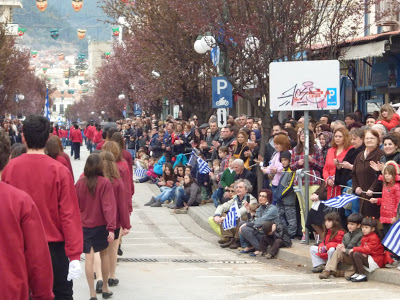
232	191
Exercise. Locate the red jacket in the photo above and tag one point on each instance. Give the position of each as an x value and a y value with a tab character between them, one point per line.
330	243
124	174
24	253
389	202
76	136
90	132
63	133
69	166
371	245
129	160
97	136
122	209
390	124
52	189
98	210
330	170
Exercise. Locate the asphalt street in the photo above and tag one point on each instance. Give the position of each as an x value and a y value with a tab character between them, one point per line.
169	256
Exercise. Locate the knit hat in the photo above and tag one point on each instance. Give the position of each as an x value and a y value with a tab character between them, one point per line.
286	154
257	133
395	165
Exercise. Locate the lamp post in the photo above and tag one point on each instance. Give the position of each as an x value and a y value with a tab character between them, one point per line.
18	98
122	97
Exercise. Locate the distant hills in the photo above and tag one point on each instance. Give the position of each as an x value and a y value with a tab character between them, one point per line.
60	15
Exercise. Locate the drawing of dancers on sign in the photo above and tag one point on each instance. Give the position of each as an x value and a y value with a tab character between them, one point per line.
308	95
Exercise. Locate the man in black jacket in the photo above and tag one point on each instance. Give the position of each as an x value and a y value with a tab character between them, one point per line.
243	173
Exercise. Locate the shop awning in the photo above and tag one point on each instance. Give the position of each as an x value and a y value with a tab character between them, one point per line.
375	49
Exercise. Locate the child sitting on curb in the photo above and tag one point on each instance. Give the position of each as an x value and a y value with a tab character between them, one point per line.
350	240
369	256
333	236
275	236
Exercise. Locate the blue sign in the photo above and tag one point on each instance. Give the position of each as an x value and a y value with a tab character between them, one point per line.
332	97
221	93
137	110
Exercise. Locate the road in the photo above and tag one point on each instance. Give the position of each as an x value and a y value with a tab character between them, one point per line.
169	256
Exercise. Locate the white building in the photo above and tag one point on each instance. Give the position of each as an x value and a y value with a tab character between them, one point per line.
6	13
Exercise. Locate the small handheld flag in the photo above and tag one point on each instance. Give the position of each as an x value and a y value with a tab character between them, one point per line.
392	238
203	166
230	219
340	201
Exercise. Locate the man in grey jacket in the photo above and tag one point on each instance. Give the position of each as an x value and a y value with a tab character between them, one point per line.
350	240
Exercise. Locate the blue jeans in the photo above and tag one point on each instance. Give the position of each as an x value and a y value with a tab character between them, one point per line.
179	191
274	194
183	198
132	152
64	142
166	193
217	196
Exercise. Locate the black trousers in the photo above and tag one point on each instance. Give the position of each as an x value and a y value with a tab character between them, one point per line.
77	149
274	243
62	288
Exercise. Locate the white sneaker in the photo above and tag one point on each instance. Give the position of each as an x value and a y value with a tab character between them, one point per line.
303	239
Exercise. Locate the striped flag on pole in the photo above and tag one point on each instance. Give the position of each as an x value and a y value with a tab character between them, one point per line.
392	238
192	159
340	201
203	166
47	106
231	217
140	172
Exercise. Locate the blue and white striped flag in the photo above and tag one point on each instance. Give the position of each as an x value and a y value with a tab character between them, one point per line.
140	172
392	238
47	106
231	217
192	159
59	121
340	201
203	166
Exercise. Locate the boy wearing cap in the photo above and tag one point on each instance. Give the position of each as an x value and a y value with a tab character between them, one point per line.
286	196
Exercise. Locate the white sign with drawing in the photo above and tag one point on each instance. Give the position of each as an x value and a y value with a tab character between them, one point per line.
304	85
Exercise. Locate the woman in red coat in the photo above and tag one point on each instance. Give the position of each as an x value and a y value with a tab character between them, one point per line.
388	117
341	144
370	253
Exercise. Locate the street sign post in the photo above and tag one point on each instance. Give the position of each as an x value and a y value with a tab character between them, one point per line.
221	117
221	93
304	86
137	110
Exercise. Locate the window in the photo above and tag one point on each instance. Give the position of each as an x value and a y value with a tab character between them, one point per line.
54	108
61	108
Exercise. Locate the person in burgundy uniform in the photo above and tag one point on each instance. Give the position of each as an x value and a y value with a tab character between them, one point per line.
103	140
52	189
76	139
127	157
24	255
63	154
98	214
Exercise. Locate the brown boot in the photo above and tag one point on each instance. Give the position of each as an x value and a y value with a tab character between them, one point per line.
325	274
203	202
235	244
228	243
341	274
223	240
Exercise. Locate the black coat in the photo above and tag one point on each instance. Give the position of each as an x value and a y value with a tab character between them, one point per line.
342	176
251	177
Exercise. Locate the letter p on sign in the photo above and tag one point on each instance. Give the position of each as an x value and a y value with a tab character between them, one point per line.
221	85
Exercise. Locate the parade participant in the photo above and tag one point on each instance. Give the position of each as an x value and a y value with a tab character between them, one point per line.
53	151
98	214
63	154
23	245
110	171
52	189
127	158
76	139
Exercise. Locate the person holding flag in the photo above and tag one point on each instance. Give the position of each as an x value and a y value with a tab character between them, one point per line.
230	234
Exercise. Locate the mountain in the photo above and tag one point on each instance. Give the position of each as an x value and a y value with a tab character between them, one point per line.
60	15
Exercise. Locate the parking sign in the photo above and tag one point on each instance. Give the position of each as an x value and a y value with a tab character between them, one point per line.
221	93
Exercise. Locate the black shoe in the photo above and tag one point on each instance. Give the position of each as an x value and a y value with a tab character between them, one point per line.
152	201
318	269
227	244
120	253
107	295
358	279
235	244
99	286
93	298
113	282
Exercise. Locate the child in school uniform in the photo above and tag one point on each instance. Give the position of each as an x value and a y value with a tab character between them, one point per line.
98	214
286	197
350	240
369	256
333	236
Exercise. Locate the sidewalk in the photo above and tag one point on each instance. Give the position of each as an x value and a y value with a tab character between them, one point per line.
298	254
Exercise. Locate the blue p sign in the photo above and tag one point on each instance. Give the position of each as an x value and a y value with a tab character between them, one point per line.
221	93
331	97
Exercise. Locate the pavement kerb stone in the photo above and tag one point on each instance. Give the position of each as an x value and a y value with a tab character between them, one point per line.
298	254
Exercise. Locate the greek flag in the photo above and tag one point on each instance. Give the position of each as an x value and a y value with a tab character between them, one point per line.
47	106
59	121
340	201
392	238
230	219
203	166
192	159
140	172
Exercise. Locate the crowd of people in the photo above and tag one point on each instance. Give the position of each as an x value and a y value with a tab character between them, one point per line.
195	164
